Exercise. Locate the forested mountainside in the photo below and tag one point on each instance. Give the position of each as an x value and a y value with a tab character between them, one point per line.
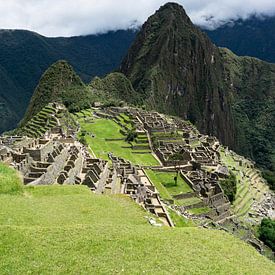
24	56
254	36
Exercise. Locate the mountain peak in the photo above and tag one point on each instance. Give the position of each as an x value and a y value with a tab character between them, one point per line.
172	12
177	69
172	6
54	82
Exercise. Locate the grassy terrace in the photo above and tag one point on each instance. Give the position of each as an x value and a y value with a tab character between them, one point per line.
69	230
165	184
164	181
245	192
106	128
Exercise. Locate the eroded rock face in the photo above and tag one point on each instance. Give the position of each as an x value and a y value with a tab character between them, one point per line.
179	71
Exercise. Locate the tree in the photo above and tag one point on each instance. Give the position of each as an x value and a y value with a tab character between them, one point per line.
267	232
131	135
176	158
229	187
83	141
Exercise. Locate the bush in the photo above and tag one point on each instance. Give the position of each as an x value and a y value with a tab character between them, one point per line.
267	232
83	140
229	187
131	136
269	176
10	182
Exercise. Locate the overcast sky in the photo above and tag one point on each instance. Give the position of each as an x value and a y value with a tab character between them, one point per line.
77	17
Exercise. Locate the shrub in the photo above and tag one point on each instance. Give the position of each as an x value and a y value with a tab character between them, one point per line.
131	136
267	232
269	176
83	140
229	187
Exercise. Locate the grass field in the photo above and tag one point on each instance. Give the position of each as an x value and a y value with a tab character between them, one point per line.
105	128
165	184
69	230
56	231
164	181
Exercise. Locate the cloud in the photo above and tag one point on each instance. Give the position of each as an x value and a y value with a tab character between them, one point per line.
71	17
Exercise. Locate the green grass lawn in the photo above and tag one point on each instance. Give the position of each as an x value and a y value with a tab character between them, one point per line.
164	181
105	128
69	230
180	221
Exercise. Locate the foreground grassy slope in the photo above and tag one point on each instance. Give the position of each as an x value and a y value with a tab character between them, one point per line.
10	182
67	229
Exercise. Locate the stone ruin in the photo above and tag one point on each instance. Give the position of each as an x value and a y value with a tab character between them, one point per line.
55	159
138	186
204	183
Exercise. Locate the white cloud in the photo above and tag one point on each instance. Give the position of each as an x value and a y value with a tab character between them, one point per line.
76	17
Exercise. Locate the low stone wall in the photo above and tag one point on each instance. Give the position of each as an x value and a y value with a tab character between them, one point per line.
114	139
184	196
187	180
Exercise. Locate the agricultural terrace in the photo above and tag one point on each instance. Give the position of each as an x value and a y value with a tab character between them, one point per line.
250	186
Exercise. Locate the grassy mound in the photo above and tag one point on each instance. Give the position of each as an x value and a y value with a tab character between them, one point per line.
69	230
10	182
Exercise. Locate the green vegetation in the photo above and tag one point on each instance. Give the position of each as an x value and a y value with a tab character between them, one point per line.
44	120
116	87
69	230
108	138
10	182
56	82
267	232
131	136
26	55
180	221
269	176
253	108
164	182
167	188
199	210
229	186
246	178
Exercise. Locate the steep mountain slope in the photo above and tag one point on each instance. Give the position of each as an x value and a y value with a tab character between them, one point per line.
25	55
252	37
177	70
54	85
60	83
115	86
253	106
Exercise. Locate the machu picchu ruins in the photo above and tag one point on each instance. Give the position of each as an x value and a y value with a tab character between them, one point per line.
194	164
